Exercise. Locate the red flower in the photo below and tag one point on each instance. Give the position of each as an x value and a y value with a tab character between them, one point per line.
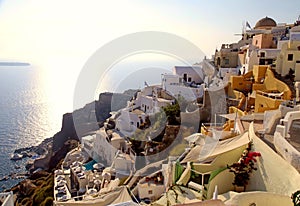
247	160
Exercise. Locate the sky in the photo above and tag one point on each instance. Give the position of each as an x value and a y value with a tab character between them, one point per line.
59	36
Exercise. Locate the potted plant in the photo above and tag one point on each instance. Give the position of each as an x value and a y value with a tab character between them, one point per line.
243	168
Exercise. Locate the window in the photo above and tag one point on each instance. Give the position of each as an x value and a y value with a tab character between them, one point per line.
150	192
189	79
290	57
262	54
185	77
256	42
218	61
226	61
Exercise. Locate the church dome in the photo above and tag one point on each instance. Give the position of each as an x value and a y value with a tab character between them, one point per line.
265	23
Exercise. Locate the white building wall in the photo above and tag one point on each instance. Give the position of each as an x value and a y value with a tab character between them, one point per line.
135	119
194	73
151	191
285	149
253	60
224	71
146	103
287	121
123	121
103	150
148	90
270	53
281	43
160	104
295	36
189	93
7	198
127	121
87	144
124	166
170	79
172	84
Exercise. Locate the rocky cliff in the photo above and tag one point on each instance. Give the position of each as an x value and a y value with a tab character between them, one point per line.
86	120
37	188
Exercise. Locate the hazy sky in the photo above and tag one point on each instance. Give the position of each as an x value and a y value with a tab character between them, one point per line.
36	30
60	35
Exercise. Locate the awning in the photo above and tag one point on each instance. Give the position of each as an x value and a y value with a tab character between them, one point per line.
230	116
119	195
199	153
178	195
195	138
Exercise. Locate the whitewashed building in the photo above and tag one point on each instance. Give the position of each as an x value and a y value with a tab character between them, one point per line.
87	144
256	56
124	164
134	115
189	74
7	198
103	151
286	138
175	85
152	186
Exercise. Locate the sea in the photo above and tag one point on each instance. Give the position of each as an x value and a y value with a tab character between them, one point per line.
27	116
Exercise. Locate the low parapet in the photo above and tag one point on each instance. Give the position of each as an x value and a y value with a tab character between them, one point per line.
273	174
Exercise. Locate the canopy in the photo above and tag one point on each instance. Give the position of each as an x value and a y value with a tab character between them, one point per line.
178	195
195	138
220	147
204	203
119	195
255	198
230	116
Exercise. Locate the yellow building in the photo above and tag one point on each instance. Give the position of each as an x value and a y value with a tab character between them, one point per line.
227	57
289	59
267	92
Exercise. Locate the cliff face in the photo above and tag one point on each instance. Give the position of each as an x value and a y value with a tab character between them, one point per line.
85	120
67	132
111	102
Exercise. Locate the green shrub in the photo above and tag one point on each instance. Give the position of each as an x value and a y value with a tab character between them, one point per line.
41	194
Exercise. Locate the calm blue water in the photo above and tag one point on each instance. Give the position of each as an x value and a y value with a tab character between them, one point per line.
27	115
